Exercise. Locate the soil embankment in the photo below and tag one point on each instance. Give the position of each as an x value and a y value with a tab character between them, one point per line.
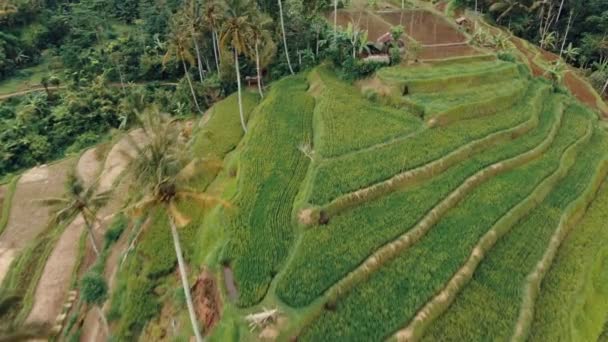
28	216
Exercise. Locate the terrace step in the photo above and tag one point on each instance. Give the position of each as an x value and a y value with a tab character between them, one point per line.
425	79
336	177
398	287
396	217
498	280
573	297
446	107
441	301
426	171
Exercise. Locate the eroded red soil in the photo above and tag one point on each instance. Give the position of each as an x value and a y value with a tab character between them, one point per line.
207	301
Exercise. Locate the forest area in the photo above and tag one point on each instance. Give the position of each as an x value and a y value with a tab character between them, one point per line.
99	61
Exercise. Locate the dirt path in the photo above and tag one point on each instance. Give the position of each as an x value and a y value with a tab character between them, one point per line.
116	161
55	280
88	166
57	274
38	89
28	217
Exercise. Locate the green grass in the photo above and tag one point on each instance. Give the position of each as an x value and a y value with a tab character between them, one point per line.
144	281
270	171
344	121
573	300
499	281
335	177
223	131
5	204
393	294
447	107
327	253
449	77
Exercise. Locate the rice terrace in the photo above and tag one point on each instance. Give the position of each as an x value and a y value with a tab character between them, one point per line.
288	170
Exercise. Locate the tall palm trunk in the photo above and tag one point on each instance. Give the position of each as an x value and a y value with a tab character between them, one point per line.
257	65
198	58
335	17
92	237
184	278
561	51
238	82
216	52
559	12
284	37
104	321
191	87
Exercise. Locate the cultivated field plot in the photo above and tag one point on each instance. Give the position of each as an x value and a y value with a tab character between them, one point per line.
435	226
424	27
439	38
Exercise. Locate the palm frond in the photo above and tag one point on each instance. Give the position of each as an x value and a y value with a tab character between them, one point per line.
178	217
202	199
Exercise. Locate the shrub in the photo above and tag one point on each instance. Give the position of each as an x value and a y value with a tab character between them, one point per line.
117	227
353	69
93	288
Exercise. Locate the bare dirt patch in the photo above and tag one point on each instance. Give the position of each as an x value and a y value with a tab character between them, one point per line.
207	301
28	216
88	166
117	160
375	26
582	91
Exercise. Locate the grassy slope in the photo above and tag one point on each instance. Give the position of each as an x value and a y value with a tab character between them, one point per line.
347	240
499	280
344	121
408	281
335	177
573	301
269	175
134	302
221	133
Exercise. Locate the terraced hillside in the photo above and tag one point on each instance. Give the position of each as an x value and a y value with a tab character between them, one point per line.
455	206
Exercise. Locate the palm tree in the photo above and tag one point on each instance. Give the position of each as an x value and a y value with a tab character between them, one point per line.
193	23
285	37
505	7
49	81
162	168
214	15
556	72
179	47
548	41
10	332
261	36
561	51
237	30
79	200
570	53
